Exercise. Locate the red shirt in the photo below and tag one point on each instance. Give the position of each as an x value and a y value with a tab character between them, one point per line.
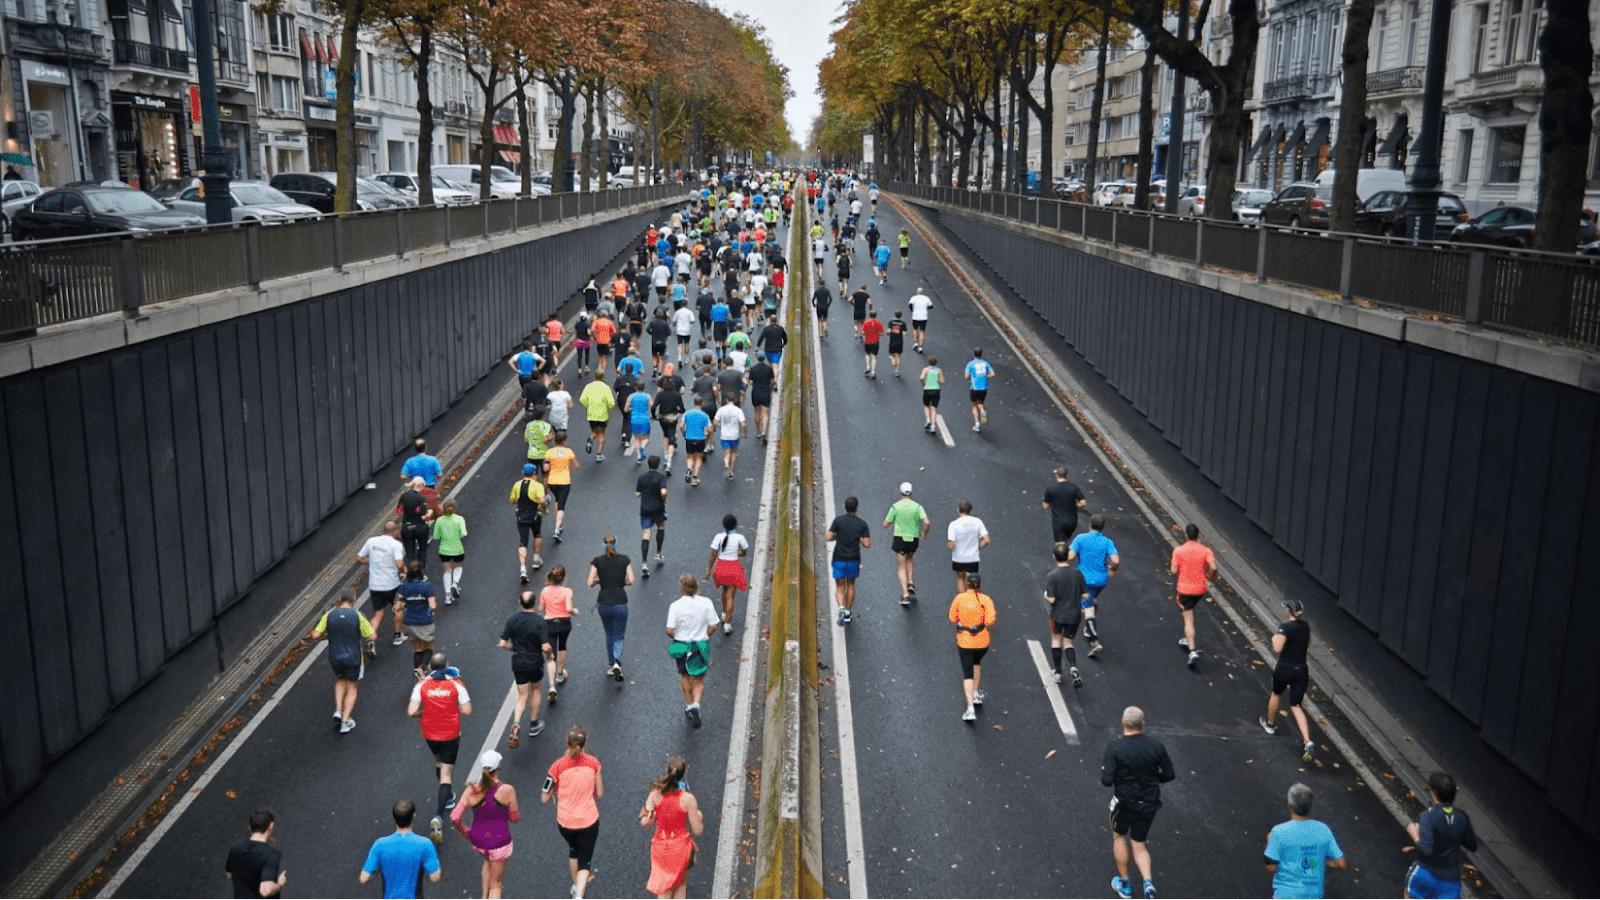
1191	559
871	330
441	707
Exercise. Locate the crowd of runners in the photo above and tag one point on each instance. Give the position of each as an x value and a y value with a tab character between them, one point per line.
705	291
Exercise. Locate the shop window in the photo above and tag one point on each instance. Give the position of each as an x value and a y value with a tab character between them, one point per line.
1505	154
1464	156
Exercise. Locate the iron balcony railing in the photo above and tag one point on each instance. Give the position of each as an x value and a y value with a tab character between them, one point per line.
149	56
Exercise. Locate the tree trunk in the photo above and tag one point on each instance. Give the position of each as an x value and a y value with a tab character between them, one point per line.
1567	56
1047	123
969	130
344	196
1147	131
586	154
603	155
997	171
924	150
1352	115
523	125
569	111
1096	108
423	61
486	144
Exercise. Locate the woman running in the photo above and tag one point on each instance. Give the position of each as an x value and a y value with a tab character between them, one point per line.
450	530
612	573
724	568
556	601
494	811
582	340
560	400
676	815
574	780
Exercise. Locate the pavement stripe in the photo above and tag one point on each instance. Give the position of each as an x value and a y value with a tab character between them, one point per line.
944	433
1053	691
502	719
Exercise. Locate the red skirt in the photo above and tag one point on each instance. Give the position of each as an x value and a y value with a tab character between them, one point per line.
669	862
730	573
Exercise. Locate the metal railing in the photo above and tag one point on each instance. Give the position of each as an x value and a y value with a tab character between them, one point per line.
135	53
57	281
1403	79
1549	295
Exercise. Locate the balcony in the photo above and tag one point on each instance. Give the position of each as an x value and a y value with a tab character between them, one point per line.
149	56
1392	80
1295	87
1514	88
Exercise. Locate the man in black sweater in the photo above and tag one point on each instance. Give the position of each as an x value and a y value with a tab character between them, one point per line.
1135	768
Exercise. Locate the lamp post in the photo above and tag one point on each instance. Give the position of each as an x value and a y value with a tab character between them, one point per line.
213	160
1423	205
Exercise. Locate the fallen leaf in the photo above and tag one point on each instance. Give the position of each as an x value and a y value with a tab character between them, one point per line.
1050	754
231	795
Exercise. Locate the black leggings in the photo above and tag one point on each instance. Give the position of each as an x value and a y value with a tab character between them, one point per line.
580	843
414	535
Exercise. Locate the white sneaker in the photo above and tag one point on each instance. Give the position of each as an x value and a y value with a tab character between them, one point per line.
538	562
338	714
347	726
978	697
971	715
727	628
975	427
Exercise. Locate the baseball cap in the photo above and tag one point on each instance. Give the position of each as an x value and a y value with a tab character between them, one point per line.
489	760
1294	606
905	487
528	469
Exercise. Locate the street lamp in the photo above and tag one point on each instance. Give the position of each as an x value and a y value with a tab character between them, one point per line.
213	160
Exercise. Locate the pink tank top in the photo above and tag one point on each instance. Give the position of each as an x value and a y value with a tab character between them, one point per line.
491	823
671	820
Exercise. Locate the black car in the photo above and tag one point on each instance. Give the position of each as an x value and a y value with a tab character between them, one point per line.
315	189
1303	204
1509	226
1384	213
74	212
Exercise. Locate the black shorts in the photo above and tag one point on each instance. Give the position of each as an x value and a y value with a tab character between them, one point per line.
597	427
1136	825
528	676
971	659
872	348
904	252
822	314
897	345
658	349
963	566
683	340
1065	629
860	315
1187	602
527	531
669	431
930	398
661	291
602	350
719	331
347	669
455	559
693	446
906	546
382	600
1294	681
580	843
760	398
556	632
1062	534
919	325
978	396
559	493
446	751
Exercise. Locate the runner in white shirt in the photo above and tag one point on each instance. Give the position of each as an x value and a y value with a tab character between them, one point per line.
683	319
690	620
725	570
920	303
819	254
660	277
731	424
684	263
965	537
385	558
560	401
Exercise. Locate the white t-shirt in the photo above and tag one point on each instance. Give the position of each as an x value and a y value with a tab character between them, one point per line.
728	544
683	321
731	420
740	358
756	260
560	402
965	531
660	275
855	207
819	249
920	304
758	283
692	618
383	555
685	262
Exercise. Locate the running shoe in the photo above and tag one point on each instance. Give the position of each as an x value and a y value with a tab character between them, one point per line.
556	536
911	589
971	715
538	562
1149	890
1183	642
905	600
338	713
588	445
849	617
347	726
1094	649
451	803
1122	887
372	649
639	458
1266	726
728	475
842	620
688	478
1056	675
551	696
514	739
694	716
983	416
561	677
535	727
1077	680
1310	751
600	458
524	575
399	639
645	570
727	628
975	427
436	830
978	697
661	559
1194	658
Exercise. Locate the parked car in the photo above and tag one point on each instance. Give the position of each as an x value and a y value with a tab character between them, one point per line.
315	189
170	188
1069	189
1509	226
253	201
75	212
1369	181
1303	204
1106	191
15	195
444	190
1384	213
503	182
1247	203
1192	202
1124	197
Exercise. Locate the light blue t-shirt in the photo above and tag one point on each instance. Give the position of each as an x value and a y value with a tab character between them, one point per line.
881	255
400	859
979	371
424	465
696	424
1301	848
639	408
719	312
631	364
1093	549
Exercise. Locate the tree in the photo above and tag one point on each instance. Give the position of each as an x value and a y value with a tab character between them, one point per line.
1147	131
1566	55
1097	107
411	25
1352	114
344	192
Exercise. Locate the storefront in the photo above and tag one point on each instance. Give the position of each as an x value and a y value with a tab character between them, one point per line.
321	144
52	129
153	141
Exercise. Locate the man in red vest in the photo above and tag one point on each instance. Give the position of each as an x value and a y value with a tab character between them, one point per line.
440	700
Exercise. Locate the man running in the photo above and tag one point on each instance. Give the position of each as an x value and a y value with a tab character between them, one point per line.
1439	835
972	613
690	621
910	525
660	330
871	335
774	338
651	489
978	374
439	701
346	632
919	304
1135	767
385	559
254	865
731	428
668	409
849	535
696	428
683	321
604	331
932	378
896	329
525	637
821	299
880	263
1300	851
965	536
597	401
760	377
562	460
1097	558
421	465
638	406
860	303
1291	675
1063	499
1065	591
529	498
401	858
1192	562
526	364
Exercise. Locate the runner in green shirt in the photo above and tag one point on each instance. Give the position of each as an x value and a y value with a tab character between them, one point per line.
449	530
537	436
910	523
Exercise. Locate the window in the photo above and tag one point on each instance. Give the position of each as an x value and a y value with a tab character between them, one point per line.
1312	37
1521	30
1382	38
280	32
1413	30
311	73
1480	37
1505	154
263	89
1464	156
286	94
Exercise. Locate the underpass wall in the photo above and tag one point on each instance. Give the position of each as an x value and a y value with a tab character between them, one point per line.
148	488
1450	503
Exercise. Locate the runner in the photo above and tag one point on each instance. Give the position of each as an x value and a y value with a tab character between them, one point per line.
524	636
414	520
724	569
604	331
860	302
731	427
494	811
819	255
760	378
575	783
651	489
612	573
774	338
910	523
660	330
696	429
1135	767
401	858
597	400
873	235
871	334
965	536
421	464
676	815
1439	835
897	340
638	407
721	314
420	603
978	374
842	264
253	863
690	620
1290	675
562	461
821	299
849	535
1097	558
1063	499
439	701
591	292
668	409
385	559
880	263
1300	851
529	497
1065	591
629	363
582	341
905	250
932	377
347	632
683	321
526	364
920	303
1192	562
972	612
556	601
560	403
536	434
553	332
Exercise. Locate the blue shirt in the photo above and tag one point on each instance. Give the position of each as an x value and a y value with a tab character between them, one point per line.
400	859
1093	549
757	200
719	312
663	248
678	292
979	371
1301	847
527	361
415	594
632	365
424	465
639	407
881	255
696	424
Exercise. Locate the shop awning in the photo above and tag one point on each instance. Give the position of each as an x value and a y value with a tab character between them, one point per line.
333	54
1295	138
1397	133
506	134
1279	134
305	46
316	41
511	156
1319	137
1260	145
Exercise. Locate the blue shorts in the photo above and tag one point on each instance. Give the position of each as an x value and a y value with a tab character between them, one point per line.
775	358
639	427
1094	591
730	445
648	522
846	570
1421	883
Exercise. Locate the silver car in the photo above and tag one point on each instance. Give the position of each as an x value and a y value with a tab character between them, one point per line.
444	190
1247	204
253	201
15	195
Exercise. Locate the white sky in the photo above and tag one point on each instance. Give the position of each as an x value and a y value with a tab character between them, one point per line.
798	30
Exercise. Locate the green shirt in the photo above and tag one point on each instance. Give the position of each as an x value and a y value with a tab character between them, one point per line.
738	341
930	381
906	516
537	434
905	239
448	531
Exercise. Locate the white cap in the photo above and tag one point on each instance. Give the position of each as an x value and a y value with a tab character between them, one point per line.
489	760
905	487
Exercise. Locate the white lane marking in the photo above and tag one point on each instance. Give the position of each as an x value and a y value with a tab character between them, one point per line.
854	843
944	432
501	720
193	793
1053	691
482	458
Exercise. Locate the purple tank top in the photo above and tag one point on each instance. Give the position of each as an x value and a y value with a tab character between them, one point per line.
491	823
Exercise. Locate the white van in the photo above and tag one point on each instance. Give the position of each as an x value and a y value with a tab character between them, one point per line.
502	181
1369	181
